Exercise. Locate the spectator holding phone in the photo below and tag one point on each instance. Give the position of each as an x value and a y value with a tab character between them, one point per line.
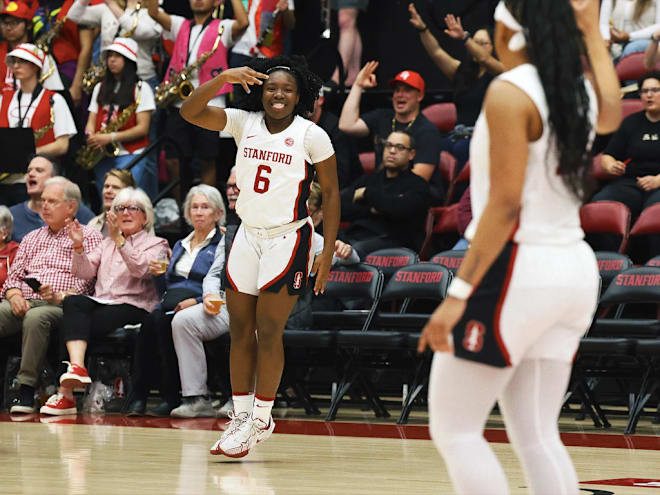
44	255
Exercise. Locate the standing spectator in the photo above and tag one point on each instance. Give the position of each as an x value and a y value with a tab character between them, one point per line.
633	157
348	163
350	42
44	255
470	77
388	208
71	49
132	21
181	285
232	195
27	215
31	105
193	38
8	247
405	115
124	291
269	21
627	25
120	88
15	26
114	181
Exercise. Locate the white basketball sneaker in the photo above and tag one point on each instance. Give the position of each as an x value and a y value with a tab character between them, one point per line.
238	422
239	442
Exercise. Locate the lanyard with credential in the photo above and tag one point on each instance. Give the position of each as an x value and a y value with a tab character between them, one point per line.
35	95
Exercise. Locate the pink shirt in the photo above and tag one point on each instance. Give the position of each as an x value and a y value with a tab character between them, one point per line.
46	256
122	275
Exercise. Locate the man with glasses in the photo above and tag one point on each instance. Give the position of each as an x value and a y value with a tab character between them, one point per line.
388	208
232	196
408	92
27	215
15	25
39	280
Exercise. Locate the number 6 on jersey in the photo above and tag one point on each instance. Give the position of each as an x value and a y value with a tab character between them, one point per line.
261	183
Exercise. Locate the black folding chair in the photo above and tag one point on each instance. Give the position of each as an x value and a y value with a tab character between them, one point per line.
451	259
390	260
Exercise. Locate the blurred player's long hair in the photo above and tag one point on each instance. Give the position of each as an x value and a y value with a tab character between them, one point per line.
555	46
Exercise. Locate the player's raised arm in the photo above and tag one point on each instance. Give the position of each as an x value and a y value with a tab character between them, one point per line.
195	108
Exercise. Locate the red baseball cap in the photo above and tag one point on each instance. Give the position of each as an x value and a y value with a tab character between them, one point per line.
411	78
17	9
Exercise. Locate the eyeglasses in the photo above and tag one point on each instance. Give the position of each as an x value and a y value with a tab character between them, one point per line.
16	61
398	147
132	209
51	202
646	91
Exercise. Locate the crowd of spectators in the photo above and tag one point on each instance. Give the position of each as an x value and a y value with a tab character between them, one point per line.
79	276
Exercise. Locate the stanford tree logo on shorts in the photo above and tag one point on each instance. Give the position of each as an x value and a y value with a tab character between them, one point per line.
474	336
289	141
297	280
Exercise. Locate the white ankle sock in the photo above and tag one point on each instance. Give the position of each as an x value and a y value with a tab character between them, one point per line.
243	403
262	409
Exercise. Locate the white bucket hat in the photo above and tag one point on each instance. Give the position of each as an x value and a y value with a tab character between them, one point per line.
31	53
124	46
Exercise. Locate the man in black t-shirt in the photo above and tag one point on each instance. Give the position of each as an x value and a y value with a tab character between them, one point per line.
404	115
388	208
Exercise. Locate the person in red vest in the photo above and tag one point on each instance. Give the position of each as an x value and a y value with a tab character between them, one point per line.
71	49
269	21
30	106
120	88
192	38
15	27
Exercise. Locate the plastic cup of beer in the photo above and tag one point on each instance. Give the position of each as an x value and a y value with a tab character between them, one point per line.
162	265
216	302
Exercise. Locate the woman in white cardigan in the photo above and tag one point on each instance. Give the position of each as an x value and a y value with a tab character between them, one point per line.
627	25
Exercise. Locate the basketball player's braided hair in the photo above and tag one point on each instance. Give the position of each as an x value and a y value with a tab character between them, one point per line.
556	47
309	84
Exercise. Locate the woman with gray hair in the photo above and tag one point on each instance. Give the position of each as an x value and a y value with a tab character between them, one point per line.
124	291
181	283
8	247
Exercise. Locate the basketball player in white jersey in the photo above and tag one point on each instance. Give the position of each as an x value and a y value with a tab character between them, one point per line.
271	256
527	288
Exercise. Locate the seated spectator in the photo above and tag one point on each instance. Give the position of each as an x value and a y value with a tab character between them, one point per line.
348	163
8	247
405	115
186	285
232	196
114	181
633	156
27	215
44	255
124	291
627	26
387	209
470	77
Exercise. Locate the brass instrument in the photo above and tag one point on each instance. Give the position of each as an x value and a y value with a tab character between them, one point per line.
179	86
87	157
96	72
266	36
39	133
45	40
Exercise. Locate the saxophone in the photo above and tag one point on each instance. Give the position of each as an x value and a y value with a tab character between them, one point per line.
45	40
96	72
179	86
87	157
39	133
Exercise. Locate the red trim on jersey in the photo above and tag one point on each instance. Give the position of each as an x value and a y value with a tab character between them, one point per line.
293	255
500	303
309	250
300	186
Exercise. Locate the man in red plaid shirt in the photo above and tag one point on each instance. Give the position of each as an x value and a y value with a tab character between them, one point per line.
44	254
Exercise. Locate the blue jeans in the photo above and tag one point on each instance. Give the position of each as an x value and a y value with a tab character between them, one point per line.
144	173
635	46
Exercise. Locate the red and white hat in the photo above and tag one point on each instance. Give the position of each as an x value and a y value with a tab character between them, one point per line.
17	9
124	46
411	78
29	52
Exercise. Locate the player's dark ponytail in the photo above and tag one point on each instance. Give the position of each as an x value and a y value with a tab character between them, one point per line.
556	47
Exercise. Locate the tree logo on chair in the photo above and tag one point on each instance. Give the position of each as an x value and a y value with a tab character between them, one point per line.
473	341
297	280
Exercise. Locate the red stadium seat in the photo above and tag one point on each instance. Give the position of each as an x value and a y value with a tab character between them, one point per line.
597	169
440	220
368	161
607	217
463	176
648	222
628	107
447	166
631	67
441	115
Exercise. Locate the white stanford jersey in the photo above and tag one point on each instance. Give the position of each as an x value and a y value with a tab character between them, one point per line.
274	171
550	212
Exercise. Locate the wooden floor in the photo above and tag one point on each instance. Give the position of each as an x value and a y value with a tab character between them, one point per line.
115	455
